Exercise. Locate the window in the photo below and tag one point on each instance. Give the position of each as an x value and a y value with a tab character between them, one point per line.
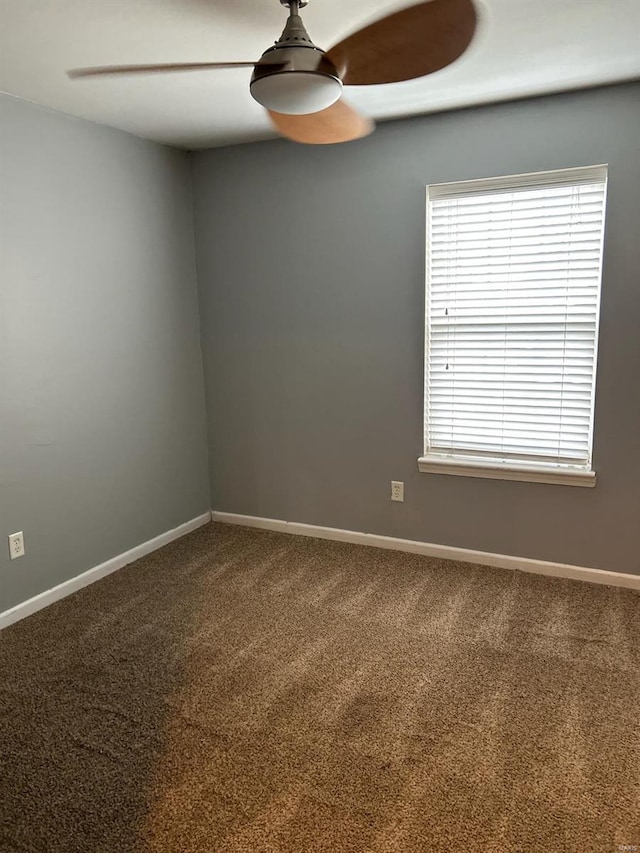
513	290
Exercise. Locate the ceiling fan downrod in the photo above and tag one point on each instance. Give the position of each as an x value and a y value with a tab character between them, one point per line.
299	4
294	33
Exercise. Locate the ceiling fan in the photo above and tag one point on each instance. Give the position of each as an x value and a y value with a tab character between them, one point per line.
301	85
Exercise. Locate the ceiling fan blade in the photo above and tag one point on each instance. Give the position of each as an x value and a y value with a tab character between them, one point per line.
410	43
338	123
106	70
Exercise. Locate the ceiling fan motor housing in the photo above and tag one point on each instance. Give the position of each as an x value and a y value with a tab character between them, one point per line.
303	80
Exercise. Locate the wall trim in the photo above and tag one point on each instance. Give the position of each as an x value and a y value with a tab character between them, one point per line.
427	549
62	590
447	552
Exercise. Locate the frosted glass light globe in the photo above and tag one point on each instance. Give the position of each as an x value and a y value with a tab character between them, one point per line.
296	92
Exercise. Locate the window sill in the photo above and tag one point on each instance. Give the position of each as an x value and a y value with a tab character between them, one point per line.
494	470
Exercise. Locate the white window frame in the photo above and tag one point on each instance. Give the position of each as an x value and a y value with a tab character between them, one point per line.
493	468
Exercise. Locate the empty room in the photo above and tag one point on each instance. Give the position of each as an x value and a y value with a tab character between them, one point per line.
319	426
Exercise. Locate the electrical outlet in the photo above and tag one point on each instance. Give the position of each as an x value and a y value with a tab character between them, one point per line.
16	545
397	491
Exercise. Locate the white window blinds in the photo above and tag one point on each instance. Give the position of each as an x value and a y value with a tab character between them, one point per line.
513	284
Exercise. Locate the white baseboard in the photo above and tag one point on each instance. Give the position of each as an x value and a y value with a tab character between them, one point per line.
44	599
447	552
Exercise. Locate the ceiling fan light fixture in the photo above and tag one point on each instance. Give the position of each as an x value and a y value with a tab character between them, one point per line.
305	81
301	85
297	92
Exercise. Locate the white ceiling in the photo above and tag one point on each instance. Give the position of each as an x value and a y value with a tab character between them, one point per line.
521	48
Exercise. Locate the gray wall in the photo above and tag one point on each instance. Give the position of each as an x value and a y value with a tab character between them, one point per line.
102	429
311	271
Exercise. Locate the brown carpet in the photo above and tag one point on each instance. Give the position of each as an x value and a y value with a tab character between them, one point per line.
250	691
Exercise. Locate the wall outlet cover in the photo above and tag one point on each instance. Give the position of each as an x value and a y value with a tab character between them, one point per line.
397	490
16	545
